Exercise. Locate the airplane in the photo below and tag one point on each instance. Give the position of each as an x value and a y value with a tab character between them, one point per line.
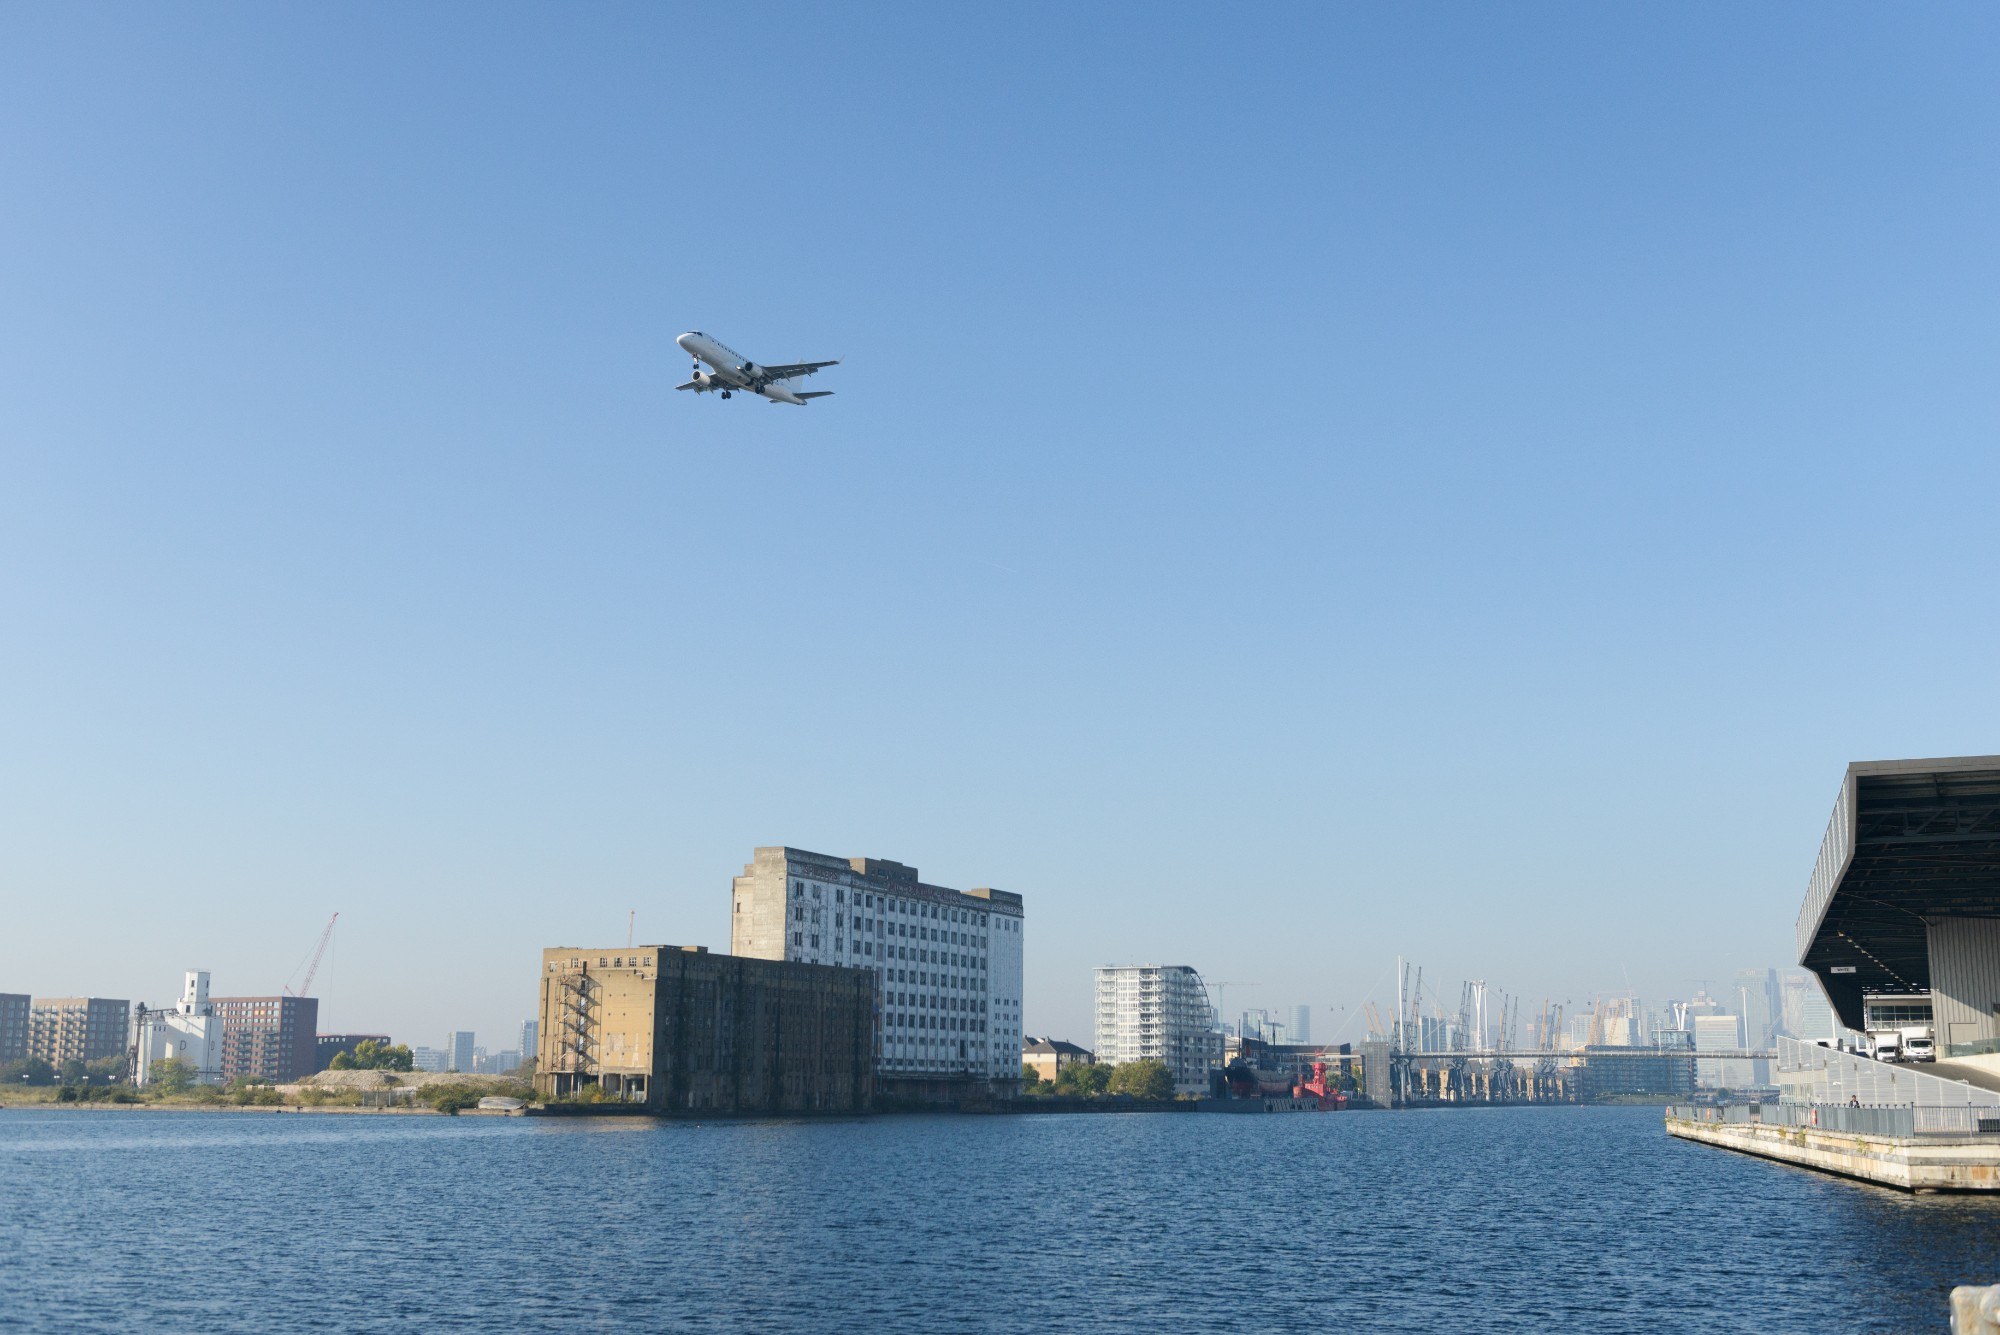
733	371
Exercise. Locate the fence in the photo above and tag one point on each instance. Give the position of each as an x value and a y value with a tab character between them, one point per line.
1905	1121
1811	1074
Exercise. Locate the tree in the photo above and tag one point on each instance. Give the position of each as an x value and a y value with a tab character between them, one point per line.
369	1055
171	1075
1083	1079
527	1071
1031	1080
32	1071
1147	1079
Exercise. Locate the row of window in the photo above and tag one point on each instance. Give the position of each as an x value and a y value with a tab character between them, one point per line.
864	899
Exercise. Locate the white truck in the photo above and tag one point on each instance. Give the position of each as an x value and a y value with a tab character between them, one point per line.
1919	1043
1885	1045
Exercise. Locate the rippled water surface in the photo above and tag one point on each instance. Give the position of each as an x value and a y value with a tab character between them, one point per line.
1569	1219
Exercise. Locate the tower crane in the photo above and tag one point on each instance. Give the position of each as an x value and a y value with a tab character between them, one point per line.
319	951
1222	1002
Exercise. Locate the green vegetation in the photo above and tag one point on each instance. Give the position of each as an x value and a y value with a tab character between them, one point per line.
369	1055
171	1076
1089	1079
456	1098
1139	1080
1147	1079
33	1071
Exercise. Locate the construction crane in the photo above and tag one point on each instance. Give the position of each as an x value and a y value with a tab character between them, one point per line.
631	922
1222	1002
1374	1017
319	952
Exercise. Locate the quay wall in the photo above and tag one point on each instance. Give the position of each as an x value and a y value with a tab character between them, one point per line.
1925	1163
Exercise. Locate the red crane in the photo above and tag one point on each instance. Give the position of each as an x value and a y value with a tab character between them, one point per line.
305	988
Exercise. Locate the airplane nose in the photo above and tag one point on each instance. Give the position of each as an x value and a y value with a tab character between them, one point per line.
683	341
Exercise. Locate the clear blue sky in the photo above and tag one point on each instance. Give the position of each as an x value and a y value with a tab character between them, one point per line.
1458	481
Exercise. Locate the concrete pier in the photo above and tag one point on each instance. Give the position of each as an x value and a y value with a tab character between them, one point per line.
1911	1163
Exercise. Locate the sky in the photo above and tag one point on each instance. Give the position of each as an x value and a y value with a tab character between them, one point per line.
1448	481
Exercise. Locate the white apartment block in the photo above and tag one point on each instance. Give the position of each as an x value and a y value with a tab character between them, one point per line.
1158	1012
947	963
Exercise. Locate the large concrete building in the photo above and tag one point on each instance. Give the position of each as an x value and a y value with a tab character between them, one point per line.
1158	1012
13	1027
269	1038
1904	899
62	1029
683	1031
946	963
189	1032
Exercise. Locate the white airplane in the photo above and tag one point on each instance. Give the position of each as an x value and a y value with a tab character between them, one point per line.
734	371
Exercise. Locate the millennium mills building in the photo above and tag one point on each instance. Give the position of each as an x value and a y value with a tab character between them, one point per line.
848	979
946	963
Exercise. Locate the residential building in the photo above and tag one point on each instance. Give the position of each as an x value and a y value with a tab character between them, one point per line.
1048	1056
190	1033
1158	1012
946	963
269	1038
62	1029
13	1027
496	1063
328	1046
458	1050
531	1038
433	1060
684	1031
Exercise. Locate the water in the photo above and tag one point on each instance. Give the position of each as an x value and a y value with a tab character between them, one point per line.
1565	1219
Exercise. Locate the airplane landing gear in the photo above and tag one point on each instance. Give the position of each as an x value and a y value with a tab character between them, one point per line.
725	393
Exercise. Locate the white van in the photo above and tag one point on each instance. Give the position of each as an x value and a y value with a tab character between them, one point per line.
1919	1045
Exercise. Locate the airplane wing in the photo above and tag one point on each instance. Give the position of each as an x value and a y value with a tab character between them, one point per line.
786	372
817	394
696	386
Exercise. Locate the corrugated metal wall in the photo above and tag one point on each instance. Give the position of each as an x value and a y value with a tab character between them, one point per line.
1965	983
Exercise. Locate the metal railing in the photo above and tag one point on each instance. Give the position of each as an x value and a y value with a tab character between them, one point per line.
1811	1074
1903	1121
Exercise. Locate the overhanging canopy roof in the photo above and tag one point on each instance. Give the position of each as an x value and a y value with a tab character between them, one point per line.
1909	840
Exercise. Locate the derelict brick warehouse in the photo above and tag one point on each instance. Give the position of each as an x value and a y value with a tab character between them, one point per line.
683	1031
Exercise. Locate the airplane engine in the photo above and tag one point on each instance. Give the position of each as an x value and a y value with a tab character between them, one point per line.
750	370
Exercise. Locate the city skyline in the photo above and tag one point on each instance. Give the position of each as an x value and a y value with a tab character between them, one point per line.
1465	450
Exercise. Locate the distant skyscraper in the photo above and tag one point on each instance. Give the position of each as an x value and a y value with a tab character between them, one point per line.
1719	1033
458	1050
428	1059
1760	1004
1302	1024
531	1039
1807	1014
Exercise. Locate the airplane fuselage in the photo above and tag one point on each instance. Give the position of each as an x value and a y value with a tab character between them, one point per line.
731	370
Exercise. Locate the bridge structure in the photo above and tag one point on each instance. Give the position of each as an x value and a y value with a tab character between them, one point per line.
1402	1077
